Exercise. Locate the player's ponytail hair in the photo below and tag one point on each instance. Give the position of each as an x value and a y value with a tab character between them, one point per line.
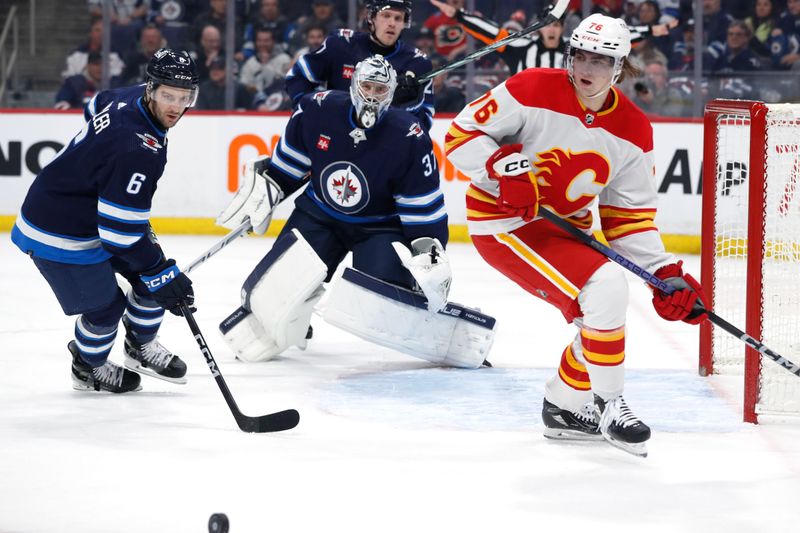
629	70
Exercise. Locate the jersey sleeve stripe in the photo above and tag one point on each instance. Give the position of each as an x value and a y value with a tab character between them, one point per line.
122	214
456	136
423	200
118	239
294	153
306	70
287	168
619	222
436	216
72	244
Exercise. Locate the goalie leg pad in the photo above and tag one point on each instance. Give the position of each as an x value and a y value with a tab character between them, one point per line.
398	318
278	299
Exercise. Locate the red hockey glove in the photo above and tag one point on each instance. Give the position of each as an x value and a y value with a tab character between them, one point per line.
519	193
686	303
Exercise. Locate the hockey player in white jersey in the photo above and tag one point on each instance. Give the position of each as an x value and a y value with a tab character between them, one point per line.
558	139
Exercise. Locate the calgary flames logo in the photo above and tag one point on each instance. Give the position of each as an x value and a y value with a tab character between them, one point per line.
569	181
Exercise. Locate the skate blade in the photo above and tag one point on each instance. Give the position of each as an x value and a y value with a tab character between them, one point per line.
639	449
133	364
570	434
84	387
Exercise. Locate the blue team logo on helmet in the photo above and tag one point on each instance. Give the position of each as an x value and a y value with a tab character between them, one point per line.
344	187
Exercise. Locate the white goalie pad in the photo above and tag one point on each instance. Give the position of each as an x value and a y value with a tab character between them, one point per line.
398	318
278	299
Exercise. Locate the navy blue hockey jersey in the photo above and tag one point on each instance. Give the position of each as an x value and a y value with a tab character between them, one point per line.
331	67
93	200
382	177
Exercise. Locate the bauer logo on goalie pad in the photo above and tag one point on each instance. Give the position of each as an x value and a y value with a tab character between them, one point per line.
344	187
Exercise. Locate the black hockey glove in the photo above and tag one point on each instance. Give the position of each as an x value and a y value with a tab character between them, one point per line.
407	91
169	287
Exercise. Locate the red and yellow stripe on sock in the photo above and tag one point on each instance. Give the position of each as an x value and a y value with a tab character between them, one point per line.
572	372
603	347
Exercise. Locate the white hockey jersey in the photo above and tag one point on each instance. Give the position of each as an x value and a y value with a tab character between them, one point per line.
577	155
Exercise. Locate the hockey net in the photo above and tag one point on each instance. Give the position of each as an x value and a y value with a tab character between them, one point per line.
751	249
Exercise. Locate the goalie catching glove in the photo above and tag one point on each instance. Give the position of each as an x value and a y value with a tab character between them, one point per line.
518	190
686	303
255	200
430	268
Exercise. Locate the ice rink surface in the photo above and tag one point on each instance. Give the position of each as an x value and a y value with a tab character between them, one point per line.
386	443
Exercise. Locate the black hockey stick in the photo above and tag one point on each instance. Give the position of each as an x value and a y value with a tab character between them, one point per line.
555	13
280	421
660	284
234	234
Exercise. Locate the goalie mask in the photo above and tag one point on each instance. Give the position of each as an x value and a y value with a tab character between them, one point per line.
372	89
603	35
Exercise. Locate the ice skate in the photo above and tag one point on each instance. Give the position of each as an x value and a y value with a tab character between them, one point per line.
110	377
153	359
567	425
620	427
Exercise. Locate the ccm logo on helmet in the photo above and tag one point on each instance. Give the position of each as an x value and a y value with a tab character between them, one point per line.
513	166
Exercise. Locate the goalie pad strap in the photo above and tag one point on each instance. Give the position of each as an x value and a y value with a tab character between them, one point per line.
398	318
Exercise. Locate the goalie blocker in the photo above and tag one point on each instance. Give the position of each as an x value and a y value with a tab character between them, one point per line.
280	294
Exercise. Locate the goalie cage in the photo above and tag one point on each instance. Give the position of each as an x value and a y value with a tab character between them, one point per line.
751	248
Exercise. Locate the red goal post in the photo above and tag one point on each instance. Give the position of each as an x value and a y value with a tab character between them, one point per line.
750	253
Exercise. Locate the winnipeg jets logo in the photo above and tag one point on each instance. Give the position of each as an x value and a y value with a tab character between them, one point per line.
415	130
344	187
320	97
358	135
148	141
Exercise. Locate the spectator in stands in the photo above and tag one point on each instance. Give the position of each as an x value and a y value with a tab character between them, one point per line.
127	19
762	21
211	93
210	49
715	27
313	38
649	14
449	97
449	36
135	63
785	40
77	59
216	16
323	13
655	95
425	43
173	18
736	56
76	91
682	54
269	64
268	16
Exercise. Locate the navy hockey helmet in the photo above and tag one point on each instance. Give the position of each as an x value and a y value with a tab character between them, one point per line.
173	68
373	6
372	89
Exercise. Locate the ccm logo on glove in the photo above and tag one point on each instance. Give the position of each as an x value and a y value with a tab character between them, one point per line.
162	278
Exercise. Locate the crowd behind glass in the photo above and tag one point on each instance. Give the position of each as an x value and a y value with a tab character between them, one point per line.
751	48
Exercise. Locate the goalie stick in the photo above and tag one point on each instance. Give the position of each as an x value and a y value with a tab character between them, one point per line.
555	13
234	234
280	421
660	284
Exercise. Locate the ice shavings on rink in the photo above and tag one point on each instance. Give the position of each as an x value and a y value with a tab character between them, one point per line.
495	399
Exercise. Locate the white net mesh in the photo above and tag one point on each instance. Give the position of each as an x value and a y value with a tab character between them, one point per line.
779	391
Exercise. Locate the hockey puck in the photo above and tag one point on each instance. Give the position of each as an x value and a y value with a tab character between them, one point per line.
218	523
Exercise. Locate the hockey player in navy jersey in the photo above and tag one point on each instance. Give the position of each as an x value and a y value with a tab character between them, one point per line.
373	190
331	65
86	217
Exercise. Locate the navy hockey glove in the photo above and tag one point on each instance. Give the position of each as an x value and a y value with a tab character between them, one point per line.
169	287
407	91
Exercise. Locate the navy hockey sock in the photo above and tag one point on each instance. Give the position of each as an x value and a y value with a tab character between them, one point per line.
143	318
94	342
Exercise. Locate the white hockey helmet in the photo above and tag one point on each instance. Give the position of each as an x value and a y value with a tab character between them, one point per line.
602	35
372	89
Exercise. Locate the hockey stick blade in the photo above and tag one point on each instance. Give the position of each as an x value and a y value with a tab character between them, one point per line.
660	284
555	13
280	421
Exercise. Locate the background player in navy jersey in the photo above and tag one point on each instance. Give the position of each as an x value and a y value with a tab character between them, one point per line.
331	65
86	217
373	190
